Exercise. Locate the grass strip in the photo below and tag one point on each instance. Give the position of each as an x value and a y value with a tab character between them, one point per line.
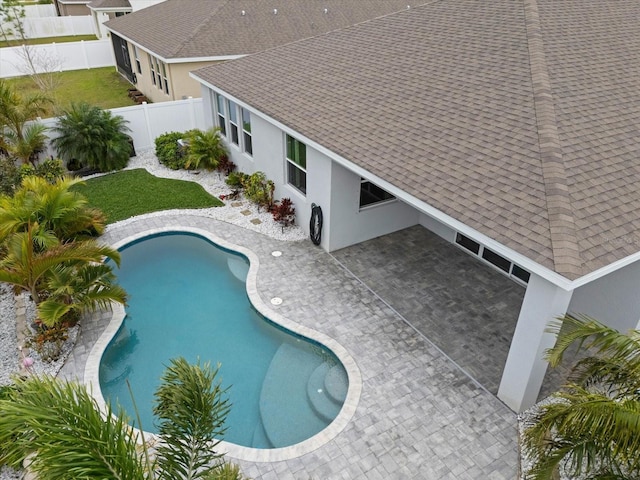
128	193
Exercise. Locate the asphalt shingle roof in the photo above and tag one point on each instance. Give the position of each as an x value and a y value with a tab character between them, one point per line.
206	28
518	118
109	4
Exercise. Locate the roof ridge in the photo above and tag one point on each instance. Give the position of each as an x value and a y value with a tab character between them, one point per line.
203	24
564	245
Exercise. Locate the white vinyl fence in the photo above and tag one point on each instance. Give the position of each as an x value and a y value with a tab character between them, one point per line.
66	56
36	11
38	27
148	121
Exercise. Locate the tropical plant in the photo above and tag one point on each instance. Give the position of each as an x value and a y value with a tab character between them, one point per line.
204	149
93	137
62	426
236	179
54	207
19	139
591	429
284	212
259	190
34	260
9	175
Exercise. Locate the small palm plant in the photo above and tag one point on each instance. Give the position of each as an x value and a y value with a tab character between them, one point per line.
592	428
61	426
205	149
16	136
93	137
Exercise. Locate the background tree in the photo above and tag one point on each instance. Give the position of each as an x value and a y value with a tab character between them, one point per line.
93	137
205	149
591	429
62	424
16	137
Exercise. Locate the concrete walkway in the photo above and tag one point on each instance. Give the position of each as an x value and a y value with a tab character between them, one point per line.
419	416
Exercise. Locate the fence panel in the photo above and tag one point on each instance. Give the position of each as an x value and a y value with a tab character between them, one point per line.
35	11
148	121
69	56
39	27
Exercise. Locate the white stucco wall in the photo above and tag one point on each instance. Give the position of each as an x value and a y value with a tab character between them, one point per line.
350	224
613	299
440	229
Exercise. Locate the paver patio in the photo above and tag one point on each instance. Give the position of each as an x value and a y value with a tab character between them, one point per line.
419	415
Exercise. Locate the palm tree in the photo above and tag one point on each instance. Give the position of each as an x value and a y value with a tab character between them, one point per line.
36	263
204	149
591	429
15	111
62	425
93	137
56	208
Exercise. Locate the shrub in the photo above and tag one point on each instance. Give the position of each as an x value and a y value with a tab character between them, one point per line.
259	190
9	176
51	169
168	150
204	149
236	179
225	165
283	212
94	137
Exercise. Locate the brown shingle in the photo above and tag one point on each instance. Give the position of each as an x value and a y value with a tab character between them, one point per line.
519	118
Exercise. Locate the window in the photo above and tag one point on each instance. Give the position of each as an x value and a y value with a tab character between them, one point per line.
467	243
297	164
137	57
158	73
233	122
222	121
164	76
371	194
152	69
247	141
511	269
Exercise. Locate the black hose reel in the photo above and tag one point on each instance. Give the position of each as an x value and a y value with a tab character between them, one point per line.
315	224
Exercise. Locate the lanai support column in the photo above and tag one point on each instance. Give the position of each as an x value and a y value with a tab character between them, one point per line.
525	368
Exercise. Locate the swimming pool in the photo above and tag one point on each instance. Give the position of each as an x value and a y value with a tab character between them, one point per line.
189	298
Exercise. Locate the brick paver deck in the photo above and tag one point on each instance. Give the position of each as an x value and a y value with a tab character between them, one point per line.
419	415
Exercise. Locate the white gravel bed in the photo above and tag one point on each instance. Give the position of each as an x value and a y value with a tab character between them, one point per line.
212	182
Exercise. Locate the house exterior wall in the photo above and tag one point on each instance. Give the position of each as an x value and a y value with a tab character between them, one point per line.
349	224
73	9
440	229
180	83
613	299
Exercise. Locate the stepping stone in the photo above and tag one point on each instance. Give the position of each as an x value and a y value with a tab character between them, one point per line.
236	204
246	212
255	221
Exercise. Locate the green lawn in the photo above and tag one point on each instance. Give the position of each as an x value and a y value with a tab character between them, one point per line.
103	87
45	40
128	193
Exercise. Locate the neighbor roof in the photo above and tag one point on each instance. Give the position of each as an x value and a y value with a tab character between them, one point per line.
98	4
208	28
517	118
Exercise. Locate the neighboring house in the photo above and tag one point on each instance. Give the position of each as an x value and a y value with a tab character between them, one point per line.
66	8
510	128
104	10
165	42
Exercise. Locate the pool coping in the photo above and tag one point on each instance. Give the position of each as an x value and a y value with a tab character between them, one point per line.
92	366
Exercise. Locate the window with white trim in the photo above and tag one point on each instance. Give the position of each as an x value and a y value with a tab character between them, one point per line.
165	78
137	57
233	122
296	163
222	119
501	263
159	77
247	139
152	70
371	194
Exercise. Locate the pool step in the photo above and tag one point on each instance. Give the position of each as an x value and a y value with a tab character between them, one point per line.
288	422
326	390
239	267
260	439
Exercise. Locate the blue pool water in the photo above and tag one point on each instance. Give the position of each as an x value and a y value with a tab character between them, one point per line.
188	298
